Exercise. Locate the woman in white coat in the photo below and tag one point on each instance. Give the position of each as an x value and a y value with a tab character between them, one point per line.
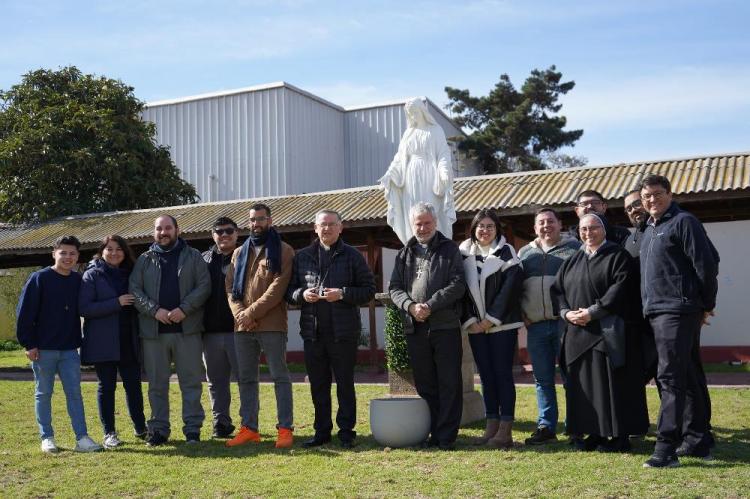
492	316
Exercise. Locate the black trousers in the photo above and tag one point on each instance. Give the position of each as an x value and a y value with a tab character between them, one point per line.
684	413
436	362
131	380
325	357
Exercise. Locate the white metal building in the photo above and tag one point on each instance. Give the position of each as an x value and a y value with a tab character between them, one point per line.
277	139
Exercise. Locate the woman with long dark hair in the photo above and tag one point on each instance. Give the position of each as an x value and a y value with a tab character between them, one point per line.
492	316
110	337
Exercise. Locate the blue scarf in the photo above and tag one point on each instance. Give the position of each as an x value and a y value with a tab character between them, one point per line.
273	255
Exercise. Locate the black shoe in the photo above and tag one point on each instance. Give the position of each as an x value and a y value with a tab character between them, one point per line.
223	431
141	433
662	461
192	438
447	446
541	436
617	444
576	443
347	443
428	444
687	450
591	442
155	439
316	441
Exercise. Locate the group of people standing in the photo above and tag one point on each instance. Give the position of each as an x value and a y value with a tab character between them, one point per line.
209	314
616	308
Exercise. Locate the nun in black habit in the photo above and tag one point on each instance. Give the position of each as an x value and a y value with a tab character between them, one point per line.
592	292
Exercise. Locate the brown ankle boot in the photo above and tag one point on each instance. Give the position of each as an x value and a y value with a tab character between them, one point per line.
503	438
489	432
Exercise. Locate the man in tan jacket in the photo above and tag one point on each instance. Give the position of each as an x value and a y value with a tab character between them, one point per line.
256	282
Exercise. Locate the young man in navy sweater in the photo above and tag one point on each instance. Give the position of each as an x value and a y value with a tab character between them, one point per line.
49	329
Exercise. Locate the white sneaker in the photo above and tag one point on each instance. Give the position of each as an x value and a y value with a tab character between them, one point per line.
111	440
48	445
85	444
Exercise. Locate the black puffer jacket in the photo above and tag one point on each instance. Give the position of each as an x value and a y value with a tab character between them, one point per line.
446	286
679	265
348	271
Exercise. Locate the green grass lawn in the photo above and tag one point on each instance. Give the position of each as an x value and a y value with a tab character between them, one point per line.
211	469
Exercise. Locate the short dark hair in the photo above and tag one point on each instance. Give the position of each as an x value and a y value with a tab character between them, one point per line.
482	214
224	221
173	219
659	180
261	206
546	210
68	241
122	243
590	193
633	191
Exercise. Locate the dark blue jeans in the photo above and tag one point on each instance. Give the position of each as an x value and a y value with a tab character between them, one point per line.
493	355
105	396
543	344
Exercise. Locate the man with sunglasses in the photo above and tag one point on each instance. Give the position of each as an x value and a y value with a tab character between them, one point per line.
218	338
257	279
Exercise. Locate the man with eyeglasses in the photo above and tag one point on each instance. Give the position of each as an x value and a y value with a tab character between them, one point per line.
257	279
679	268
218	338
638	216
591	201
330	282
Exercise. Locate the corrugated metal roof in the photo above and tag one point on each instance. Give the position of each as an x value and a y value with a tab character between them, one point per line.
513	193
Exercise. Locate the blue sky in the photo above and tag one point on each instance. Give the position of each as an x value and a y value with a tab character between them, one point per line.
654	79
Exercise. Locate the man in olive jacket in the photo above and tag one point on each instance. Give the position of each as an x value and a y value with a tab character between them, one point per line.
330	282
427	286
170	282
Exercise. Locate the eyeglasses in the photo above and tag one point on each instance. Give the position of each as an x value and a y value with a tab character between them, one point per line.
228	231
590	202
328	225
654	195
635	205
259	220
486	227
592	228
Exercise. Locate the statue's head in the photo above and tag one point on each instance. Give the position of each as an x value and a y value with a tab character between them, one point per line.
417	114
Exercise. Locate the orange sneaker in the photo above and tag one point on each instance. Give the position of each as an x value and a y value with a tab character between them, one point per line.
285	438
245	436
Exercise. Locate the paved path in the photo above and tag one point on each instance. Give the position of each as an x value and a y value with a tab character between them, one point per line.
522	376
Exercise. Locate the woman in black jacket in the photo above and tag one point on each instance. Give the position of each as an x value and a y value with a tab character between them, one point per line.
492	316
110	339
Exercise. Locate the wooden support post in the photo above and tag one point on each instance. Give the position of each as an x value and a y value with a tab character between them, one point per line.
372	262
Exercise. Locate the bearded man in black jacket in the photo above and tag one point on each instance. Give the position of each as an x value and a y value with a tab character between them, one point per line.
428	285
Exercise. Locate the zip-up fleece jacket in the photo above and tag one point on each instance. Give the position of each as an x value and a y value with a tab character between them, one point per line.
263	300
495	293
195	287
540	269
348	271
446	283
679	265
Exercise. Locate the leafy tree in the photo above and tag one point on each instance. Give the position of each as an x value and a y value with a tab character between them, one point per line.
73	143
511	130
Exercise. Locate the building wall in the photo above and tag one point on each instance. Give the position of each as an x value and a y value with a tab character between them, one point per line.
228	147
315	145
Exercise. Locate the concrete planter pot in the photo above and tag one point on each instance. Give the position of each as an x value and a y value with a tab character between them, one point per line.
399	421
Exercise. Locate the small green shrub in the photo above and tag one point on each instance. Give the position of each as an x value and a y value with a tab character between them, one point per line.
396	351
9	345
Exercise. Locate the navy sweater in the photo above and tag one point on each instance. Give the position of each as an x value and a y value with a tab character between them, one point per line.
48	311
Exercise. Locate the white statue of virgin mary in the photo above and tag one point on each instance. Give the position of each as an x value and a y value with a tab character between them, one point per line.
420	171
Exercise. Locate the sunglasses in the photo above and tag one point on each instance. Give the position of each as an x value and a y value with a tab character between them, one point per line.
220	232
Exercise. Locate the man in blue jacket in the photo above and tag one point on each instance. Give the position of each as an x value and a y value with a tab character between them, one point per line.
49	329
679	268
